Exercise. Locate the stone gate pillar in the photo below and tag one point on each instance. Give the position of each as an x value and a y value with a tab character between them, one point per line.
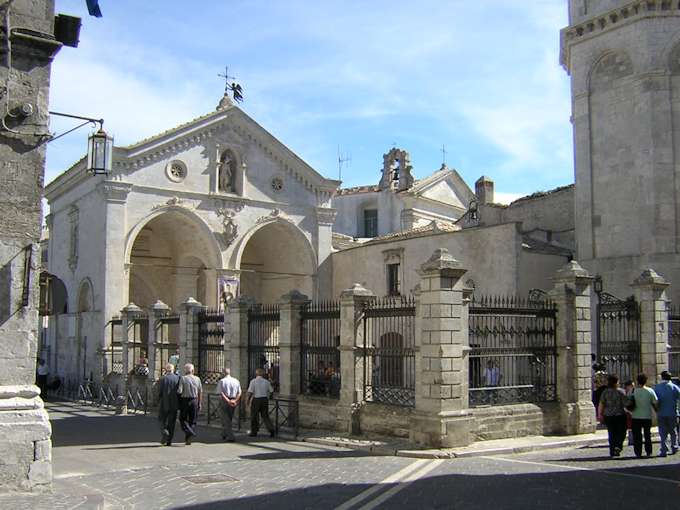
188	331
650	291
352	301
236	339
571	295
128	316
441	417
291	305
158	311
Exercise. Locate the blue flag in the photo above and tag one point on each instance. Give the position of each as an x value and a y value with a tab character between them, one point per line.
93	8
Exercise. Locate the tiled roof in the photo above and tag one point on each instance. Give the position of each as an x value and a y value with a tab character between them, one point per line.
371	188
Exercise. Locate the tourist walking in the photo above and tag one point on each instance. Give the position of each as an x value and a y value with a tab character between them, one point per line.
628	387
259	391
168	404
645	400
229	389
612	413
668	395
41	379
189	390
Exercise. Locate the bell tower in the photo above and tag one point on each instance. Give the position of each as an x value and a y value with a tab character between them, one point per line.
623	58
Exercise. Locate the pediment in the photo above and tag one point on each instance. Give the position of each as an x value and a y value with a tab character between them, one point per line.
445	186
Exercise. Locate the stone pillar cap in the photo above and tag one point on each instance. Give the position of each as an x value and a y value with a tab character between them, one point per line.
650	277
294	296
132	309
571	271
442	261
160	307
357	290
191	302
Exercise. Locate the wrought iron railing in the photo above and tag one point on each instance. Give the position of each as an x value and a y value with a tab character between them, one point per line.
618	335
320	356
513	351
263	342
388	351
284	413
674	340
210	345
167	341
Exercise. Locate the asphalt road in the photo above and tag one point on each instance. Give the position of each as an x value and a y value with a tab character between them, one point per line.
104	461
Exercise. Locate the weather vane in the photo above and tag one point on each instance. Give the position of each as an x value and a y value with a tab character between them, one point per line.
235	88
443	150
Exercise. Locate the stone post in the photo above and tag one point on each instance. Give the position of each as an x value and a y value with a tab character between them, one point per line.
650	291
290	306
236	339
158	311
128	315
351	390
441	417
188	331
571	295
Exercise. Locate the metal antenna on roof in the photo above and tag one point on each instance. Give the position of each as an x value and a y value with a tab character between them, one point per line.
443	155
342	159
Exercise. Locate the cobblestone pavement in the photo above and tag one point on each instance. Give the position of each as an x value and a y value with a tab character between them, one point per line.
104	461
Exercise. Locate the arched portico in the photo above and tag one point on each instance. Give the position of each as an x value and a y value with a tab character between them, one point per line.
274	258
172	255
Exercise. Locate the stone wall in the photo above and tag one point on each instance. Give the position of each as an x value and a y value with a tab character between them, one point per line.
510	421
24	427
318	413
385	420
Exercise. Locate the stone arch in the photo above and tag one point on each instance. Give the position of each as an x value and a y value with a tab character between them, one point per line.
608	68
85	296
275	257
172	255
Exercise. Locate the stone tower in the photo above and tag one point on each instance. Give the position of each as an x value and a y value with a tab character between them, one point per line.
396	174
623	57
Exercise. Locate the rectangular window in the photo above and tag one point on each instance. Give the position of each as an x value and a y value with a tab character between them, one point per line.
393	281
370	223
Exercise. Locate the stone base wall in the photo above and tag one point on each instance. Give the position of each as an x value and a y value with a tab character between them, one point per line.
385	420
518	420
25	445
318	413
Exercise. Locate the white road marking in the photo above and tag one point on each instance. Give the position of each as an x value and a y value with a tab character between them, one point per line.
380	485
583	468
401	485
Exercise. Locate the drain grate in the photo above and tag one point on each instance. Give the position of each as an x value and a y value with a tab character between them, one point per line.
204	479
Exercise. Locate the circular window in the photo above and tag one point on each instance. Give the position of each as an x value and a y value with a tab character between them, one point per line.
277	184
176	171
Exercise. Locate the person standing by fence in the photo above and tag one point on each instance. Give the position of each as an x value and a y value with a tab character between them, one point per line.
259	391
229	389
189	390
668	395
612	413
41	379
168	404
645	400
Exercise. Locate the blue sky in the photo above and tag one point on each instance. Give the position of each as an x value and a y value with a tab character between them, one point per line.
480	77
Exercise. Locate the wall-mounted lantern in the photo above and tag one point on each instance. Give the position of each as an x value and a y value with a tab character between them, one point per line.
99	152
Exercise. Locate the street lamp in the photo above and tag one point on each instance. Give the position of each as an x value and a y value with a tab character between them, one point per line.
99	152
597	285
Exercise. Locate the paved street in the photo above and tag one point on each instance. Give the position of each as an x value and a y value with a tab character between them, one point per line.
105	461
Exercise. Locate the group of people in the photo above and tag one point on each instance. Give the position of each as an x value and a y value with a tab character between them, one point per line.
183	394
632	407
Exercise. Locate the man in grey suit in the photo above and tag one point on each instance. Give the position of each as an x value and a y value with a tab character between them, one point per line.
168	404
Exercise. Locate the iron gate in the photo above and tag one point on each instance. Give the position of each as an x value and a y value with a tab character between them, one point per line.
263	342
210	345
138	346
167	341
674	341
513	351
388	351
319	342
113	361
618	335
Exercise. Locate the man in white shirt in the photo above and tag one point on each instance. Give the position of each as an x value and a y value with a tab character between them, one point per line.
189	390
259	391
43	372
229	390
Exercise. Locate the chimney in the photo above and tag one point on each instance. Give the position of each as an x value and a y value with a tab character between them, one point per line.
484	190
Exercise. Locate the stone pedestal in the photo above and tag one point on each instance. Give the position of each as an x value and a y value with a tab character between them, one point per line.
650	291
351	390
571	295
290	306
441	418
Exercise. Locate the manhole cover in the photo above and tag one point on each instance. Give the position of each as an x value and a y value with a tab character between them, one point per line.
200	479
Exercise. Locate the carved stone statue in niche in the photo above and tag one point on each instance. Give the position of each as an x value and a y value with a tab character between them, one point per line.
227	172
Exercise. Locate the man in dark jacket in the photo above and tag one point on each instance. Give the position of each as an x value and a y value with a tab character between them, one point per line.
168	404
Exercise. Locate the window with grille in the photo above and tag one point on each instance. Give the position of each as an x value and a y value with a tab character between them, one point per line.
393	281
370	223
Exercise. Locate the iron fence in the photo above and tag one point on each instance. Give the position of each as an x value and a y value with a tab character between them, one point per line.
674	340
210	345
513	351
618	335
388	351
263	342
138	346
113	356
167	341
319	342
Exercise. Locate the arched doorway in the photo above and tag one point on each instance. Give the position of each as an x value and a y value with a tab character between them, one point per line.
173	257
276	259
